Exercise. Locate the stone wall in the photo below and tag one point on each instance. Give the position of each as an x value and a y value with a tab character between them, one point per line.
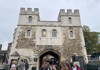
71	46
23	42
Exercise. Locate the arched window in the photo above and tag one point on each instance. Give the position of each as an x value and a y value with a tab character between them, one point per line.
70	20
30	19
43	33
54	33
28	34
71	33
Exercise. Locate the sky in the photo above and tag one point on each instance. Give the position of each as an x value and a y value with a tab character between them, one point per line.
48	9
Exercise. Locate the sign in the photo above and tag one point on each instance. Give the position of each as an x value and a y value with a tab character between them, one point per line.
35	59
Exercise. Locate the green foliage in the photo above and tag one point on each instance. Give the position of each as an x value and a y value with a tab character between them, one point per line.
91	41
86	28
98	48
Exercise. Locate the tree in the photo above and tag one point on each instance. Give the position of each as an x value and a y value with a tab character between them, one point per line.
98	48
91	40
86	28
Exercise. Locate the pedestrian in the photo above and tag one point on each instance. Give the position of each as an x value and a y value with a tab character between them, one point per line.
48	66
75	66
26	65
57	65
45	66
64	66
13	66
21	65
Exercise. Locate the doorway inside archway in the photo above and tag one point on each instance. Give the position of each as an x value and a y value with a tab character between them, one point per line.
50	57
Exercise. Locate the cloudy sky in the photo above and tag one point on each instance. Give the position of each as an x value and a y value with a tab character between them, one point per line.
9	12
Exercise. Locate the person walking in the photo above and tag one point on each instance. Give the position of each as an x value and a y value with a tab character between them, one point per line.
75	66
13	66
26	65
21	65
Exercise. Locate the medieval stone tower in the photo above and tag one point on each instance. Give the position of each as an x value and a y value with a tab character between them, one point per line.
36	40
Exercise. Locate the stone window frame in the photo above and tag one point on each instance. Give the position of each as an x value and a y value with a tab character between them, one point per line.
71	33
42	33
53	33
69	20
26	33
73	37
30	19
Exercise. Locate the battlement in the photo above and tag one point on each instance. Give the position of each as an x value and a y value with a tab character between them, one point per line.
69	12
24	11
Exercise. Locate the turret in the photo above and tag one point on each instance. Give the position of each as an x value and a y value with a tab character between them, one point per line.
69	18
28	16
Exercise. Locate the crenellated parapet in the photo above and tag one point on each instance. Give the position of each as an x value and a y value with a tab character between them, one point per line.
29	11
69	12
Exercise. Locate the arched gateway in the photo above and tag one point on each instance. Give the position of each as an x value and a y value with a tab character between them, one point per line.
51	56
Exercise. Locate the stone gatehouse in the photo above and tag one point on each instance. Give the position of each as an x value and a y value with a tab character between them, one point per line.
35	40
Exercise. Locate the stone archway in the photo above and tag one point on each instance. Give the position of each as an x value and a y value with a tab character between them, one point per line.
49	55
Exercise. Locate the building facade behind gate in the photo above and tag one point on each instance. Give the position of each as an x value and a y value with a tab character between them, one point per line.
33	37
